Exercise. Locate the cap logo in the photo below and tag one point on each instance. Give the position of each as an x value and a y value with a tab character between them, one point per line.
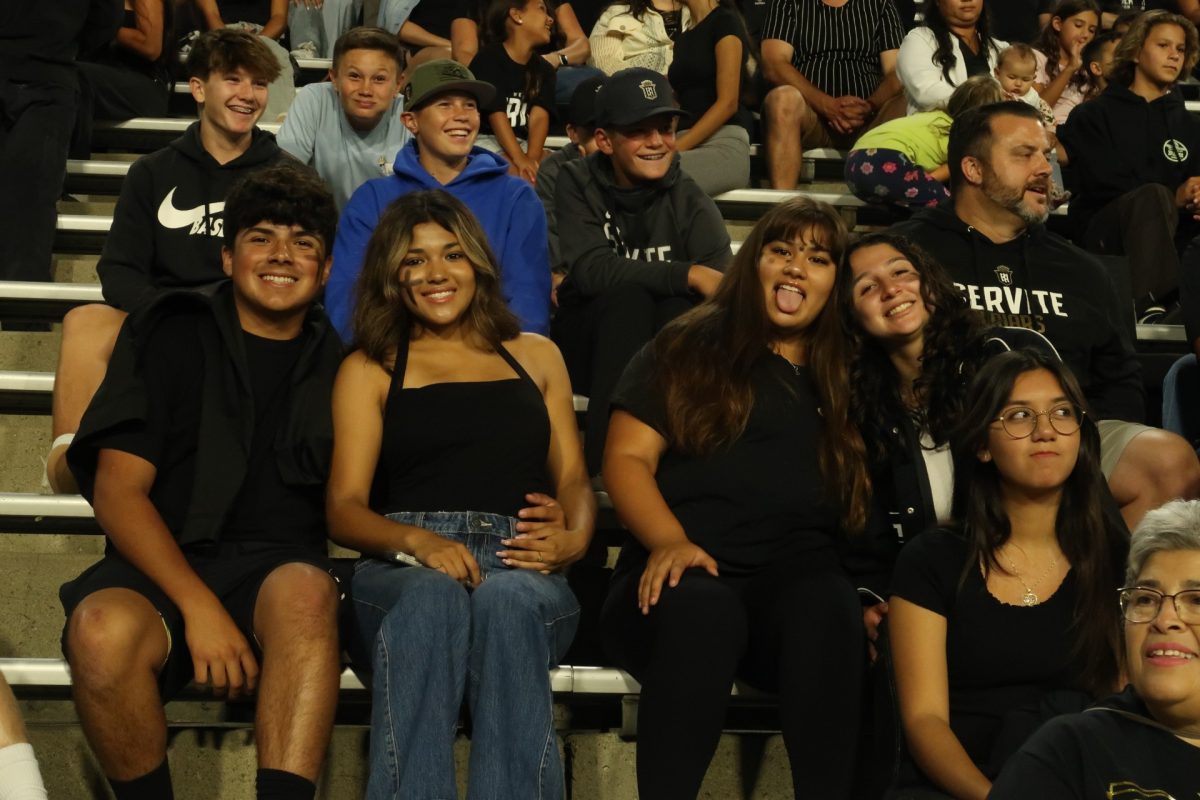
452	72
648	89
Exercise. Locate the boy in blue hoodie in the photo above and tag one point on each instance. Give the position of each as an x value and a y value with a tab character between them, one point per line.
442	112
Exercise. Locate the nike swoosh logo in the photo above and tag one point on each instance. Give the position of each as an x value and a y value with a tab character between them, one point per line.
171	217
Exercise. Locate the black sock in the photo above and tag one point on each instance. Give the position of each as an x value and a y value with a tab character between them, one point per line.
275	784
154	785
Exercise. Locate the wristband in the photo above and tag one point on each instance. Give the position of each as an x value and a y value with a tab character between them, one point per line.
562	60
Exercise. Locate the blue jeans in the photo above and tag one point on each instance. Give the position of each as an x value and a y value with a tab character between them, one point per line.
430	640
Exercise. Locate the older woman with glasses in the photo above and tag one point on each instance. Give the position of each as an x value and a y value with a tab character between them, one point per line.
1007	617
1145	741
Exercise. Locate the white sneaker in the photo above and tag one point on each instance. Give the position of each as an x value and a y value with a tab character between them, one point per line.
305	50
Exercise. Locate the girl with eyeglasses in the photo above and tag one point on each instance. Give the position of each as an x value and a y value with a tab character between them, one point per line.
1007	618
1148	736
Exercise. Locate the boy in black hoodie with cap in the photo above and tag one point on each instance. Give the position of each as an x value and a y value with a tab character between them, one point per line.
993	242
640	241
1135	154
167	228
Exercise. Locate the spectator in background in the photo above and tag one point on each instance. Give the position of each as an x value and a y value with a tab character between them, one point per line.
422	25
515	122
349	127
1136	152
711	78
640	33
1016	70
581	131
441	110
568	60
1007	617
954	44
38	83
1019	20
1098	58
993	242
1063	79
167	227
128	77
314	26
20	778
645	243
904	161
833	66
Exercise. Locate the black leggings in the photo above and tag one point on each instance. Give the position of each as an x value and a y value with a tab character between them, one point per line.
794	632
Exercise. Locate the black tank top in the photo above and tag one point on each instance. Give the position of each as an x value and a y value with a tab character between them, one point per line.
471	446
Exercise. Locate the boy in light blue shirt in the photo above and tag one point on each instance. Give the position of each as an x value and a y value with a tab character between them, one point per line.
349	129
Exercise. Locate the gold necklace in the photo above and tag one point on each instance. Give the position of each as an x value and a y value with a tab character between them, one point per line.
1030	598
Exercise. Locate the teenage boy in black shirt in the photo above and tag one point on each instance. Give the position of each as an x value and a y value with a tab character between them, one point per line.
204	454
645	242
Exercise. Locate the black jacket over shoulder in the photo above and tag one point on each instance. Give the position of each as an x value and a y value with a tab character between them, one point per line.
304	440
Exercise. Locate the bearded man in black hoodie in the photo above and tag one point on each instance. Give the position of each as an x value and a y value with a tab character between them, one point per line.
167	228
1135	152
993	242
641	241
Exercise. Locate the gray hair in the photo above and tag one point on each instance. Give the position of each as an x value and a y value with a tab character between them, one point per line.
1174	526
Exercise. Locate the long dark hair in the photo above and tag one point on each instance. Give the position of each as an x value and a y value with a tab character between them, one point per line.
1051	48
706	358
1094	542
381	320
945	54
952	351
494	29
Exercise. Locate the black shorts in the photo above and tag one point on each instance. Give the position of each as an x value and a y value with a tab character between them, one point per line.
234	571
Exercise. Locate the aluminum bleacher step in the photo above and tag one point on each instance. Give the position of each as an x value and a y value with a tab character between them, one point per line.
25	392
39	300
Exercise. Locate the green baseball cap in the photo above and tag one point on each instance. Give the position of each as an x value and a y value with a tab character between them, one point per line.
444	75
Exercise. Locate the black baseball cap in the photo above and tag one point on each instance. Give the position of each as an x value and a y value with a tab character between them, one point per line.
632	95
443	75
582	110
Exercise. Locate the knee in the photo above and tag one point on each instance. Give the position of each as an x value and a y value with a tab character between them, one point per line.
702	602
1157	463
92	321
783	105
297	597
106	641
521	595
428	598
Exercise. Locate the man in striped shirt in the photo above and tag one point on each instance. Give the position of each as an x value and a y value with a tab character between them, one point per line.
833	65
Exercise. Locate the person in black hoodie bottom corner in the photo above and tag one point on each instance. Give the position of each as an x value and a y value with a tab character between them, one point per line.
641	241
993	243
167	226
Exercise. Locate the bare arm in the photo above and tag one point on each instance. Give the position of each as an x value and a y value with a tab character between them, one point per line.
1053	90
550	540
220	653
729	84
1190	9
577	50
414	34
918	638
211	13
845	114
145	39
539	126
464	40
277	22
890	86
522	165
631	455
358	397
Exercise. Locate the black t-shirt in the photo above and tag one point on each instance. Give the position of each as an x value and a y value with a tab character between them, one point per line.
1002	660
256	11
1113	750
493	64
975	63
435	16
1017	20
693	72
173	367
761	501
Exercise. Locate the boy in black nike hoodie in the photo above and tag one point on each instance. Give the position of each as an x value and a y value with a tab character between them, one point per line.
993	243
1135	154
167	228
641	242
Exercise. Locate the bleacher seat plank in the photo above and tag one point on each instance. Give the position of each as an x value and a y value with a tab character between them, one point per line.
37	300
25	392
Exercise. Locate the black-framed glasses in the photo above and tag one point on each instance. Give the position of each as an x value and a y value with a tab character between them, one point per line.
1020	421
1142	604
